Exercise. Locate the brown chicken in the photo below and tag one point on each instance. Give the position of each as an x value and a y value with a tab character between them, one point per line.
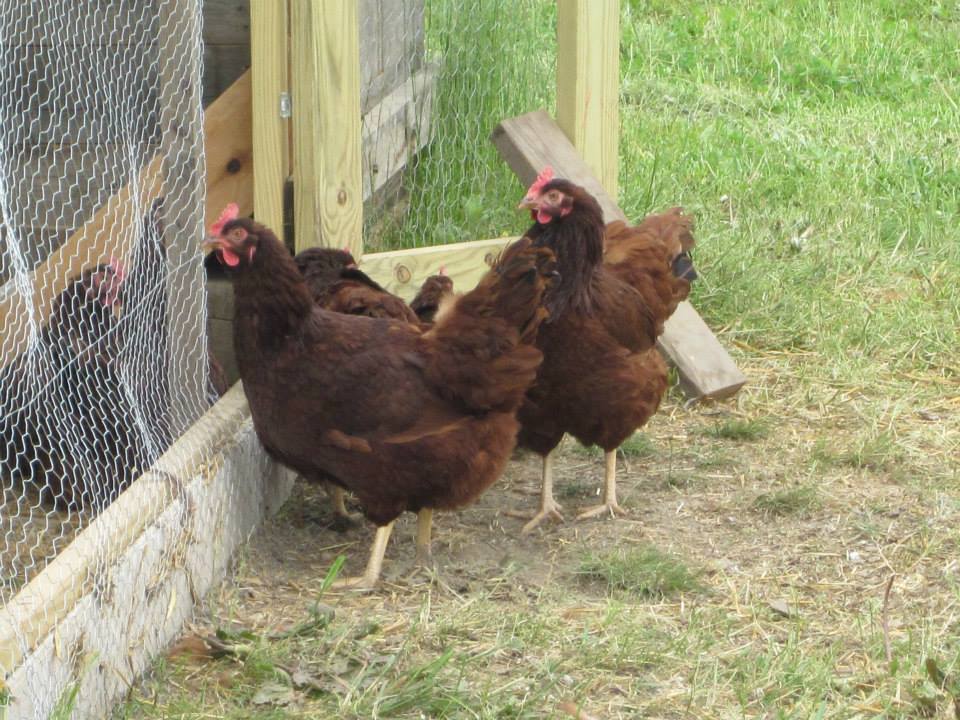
337	284
434	291
407	419
602	377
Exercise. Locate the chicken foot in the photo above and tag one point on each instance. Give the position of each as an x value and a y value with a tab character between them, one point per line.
609	504
338	499
368	581
548	506
424	528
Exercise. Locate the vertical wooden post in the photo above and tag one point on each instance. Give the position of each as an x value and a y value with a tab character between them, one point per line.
588	82
325	69
181	142
268	50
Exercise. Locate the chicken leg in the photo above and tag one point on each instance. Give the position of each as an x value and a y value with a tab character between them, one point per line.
609	504
424	527
548	506
368	581
338	500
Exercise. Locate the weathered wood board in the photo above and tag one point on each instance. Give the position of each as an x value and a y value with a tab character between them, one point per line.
528	143
395	130
402	272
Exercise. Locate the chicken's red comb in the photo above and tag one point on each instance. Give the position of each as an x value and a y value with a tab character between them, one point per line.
545	176
230	212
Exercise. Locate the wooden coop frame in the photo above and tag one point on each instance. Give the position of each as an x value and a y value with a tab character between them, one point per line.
320	68
305	53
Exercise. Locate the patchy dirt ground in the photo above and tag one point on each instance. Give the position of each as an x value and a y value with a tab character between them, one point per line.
822	560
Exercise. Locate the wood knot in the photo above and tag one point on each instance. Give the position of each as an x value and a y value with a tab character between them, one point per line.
403	273
234	166
342	197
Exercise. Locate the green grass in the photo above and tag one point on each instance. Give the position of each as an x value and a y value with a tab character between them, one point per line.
789	501
742	430
645	571
459	188
815	143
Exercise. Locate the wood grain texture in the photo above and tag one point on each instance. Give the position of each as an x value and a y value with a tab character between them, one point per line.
528	143
303	136
402	272
326	107
112	228
588	83
230	22
268	39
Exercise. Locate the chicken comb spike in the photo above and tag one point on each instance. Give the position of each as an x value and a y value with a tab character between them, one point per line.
545	176
230	212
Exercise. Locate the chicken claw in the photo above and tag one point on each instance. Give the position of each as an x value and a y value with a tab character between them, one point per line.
368	581
609	505
548	506
549	509
338	500
424	557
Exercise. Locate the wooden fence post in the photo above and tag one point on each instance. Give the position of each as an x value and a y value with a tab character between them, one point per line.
268	65
588	83
325	65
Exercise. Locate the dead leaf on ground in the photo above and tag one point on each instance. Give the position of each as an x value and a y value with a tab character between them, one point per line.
782	608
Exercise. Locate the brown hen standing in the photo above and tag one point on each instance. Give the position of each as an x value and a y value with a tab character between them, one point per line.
407	420
602	377
337	284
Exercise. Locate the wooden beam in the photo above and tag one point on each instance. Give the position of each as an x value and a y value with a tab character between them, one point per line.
181	147
328	185
228	139
113	229
402	272
588	83
528	143
268	48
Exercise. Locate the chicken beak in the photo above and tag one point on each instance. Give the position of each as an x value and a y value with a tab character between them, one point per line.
528	203
211	244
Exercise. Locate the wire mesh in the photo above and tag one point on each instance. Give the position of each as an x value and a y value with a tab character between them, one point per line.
438	76
103	358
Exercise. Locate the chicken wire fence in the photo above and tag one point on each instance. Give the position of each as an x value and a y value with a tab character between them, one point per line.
456	68
102	340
